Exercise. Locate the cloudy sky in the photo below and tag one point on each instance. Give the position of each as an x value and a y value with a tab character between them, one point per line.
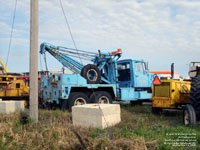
158	31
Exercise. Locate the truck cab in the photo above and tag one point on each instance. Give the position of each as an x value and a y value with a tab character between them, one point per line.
134	79
194	69
133	73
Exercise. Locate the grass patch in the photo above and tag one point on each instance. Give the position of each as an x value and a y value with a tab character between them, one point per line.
139	129
96	133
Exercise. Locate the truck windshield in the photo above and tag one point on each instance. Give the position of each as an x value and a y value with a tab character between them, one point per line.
124	72
195	64
139	67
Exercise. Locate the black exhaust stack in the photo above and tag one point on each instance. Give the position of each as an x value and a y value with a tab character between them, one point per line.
172	70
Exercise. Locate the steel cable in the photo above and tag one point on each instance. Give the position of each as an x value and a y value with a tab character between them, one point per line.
68	26
11	32
77	50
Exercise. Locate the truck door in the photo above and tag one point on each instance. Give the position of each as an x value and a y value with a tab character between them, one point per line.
140	74
124	74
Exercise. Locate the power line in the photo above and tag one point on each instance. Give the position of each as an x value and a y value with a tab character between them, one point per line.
68	26
79	54
11	32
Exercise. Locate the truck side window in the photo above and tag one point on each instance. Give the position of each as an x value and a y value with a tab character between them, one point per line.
139	67
124	72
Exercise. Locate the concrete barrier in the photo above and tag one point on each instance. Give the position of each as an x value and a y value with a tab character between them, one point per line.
97	116
7	107
19	105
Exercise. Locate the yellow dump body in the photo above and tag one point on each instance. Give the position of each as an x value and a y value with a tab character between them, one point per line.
171	94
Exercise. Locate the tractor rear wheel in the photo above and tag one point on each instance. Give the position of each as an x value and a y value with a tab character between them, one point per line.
195	95
189	116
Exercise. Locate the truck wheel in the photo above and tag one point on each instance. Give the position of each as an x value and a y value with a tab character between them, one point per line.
156	111
189	116
195	95
101	97
77	98
83	70
91	73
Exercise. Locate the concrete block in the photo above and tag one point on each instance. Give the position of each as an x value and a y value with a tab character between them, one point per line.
7	107
97	116
19	105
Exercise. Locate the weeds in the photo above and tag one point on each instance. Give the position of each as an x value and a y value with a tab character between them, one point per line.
139	129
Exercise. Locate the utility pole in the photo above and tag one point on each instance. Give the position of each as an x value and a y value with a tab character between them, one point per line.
34	61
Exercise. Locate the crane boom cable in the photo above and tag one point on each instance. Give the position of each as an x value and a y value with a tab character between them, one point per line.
68	26
78	57
11	32
41	63
76	50
45	60
75	53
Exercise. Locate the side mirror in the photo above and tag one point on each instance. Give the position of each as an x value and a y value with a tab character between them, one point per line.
147	65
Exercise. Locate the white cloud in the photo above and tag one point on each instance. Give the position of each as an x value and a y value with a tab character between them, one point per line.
159	31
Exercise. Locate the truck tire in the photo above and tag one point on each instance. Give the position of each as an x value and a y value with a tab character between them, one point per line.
77	98
83	70
101	97
91	73
195	95
189	116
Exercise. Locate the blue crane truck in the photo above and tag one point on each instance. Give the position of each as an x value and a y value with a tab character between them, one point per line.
105	80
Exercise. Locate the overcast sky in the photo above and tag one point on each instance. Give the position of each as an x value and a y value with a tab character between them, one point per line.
158	31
